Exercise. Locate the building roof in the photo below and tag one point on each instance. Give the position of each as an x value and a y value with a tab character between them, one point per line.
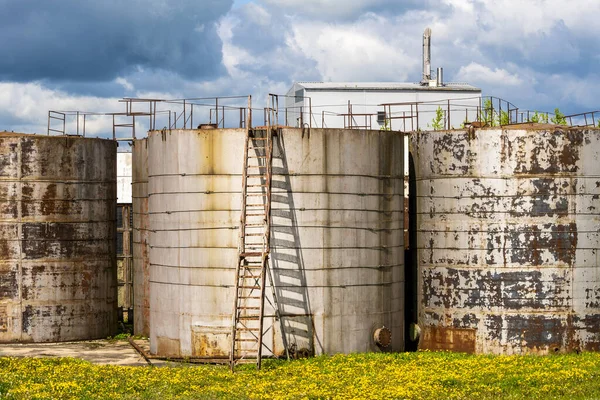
377	86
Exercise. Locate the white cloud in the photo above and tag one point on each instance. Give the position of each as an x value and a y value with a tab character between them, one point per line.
27	104
126	84
350	52
486	75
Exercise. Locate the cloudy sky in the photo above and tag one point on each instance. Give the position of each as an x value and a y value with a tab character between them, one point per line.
85	55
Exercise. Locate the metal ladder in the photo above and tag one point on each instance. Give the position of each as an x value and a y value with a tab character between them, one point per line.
251	269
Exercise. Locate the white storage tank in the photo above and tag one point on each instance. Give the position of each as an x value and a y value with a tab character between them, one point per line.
337	240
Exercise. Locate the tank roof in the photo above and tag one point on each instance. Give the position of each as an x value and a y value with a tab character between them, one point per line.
386	86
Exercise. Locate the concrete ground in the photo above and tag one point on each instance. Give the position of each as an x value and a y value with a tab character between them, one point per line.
96	351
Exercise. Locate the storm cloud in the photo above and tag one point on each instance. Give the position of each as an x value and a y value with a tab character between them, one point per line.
99	40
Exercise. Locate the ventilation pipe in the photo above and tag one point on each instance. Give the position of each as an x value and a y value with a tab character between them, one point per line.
426	57
440	77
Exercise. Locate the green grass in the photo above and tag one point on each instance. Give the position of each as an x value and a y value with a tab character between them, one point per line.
422	375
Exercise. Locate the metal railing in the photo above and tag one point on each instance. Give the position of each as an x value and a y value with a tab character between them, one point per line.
237	111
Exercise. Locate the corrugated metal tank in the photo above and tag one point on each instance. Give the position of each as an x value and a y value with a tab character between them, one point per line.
337	240
508	238
57	238
141	248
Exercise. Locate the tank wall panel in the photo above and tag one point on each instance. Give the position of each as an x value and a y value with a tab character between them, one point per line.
337	243
141	246
57	238
508	239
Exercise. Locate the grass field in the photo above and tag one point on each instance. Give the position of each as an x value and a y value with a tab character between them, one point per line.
422	375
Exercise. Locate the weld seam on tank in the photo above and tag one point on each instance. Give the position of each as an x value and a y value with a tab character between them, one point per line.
65	200
274	192
62	181
282	286
284	247
517	177
284	269
280	226
184	174
280	209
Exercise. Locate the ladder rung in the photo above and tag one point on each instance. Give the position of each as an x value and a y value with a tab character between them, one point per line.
246	340
256	194
250	287
261	224
257	156
256	185
254	234
251	317
248	308
247	329
249	297
251	254
244	361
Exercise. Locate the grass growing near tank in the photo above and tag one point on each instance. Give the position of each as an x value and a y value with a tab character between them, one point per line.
422	375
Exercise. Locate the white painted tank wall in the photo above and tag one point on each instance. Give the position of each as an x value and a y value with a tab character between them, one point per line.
337	239
124	173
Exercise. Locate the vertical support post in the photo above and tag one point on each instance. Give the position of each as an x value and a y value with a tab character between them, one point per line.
154	116
449	126
417	114
114	133
249	117
310	112
184	116
84	125
77	115
48	131
217	111
133	126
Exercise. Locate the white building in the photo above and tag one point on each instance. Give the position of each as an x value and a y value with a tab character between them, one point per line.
124	174
361	105
400	106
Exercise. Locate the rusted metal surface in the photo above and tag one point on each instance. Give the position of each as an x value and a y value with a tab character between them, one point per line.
141	248
508	238
336	240
57	238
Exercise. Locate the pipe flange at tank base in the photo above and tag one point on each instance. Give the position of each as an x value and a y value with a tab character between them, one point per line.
383	337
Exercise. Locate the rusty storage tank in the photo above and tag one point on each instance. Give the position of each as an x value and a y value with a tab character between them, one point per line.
141	261
57	238
508	237
337	240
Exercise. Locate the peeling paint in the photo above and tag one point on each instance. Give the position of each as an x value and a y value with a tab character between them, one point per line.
508	237
57	231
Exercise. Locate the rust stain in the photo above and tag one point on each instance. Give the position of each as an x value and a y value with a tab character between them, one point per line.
65	290
167	347
448	338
